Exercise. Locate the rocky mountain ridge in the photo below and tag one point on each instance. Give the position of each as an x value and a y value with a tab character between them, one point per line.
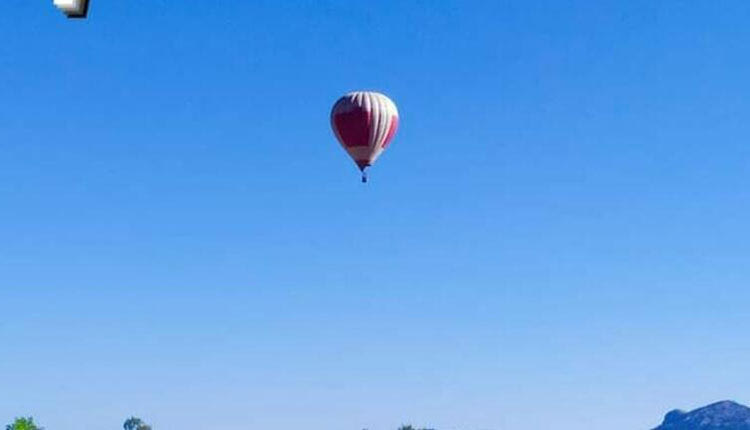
724	415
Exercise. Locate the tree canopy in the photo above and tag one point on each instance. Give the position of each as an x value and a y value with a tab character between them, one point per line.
134	423
23	424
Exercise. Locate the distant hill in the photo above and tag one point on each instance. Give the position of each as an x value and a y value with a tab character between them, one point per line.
724	415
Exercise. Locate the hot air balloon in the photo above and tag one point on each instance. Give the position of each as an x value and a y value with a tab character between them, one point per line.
364	123
73	8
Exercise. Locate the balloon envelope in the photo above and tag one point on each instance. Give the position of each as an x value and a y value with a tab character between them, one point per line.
364	123
73	8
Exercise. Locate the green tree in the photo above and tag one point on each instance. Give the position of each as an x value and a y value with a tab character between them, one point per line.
134	423
23	424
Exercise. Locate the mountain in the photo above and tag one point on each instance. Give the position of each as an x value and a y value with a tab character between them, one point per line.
726	415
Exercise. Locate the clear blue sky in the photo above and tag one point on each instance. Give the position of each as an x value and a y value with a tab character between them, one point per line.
558	238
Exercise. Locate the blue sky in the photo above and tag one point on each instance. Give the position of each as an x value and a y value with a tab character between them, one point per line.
557	238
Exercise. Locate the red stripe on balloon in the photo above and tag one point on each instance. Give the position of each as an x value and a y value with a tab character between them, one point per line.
391	131
354	127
